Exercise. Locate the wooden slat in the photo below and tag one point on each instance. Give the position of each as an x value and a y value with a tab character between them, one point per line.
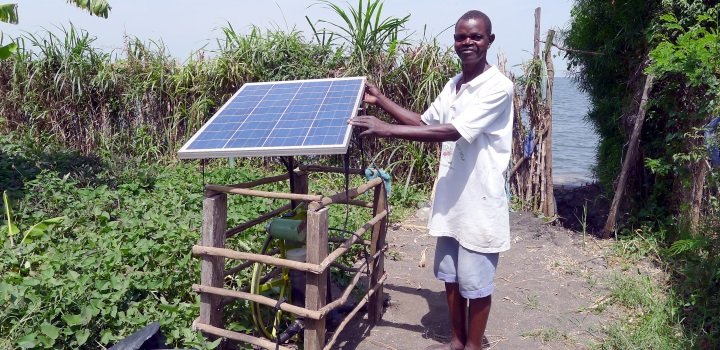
330	169
263	181
261	342
258	220
345	268
343	239
350	241
271	260
357	203
351	193
297	310
346	293
352	313
248	263
264	194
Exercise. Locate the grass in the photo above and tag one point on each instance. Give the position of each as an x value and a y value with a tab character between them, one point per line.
650	320
547	335
583	222
646	305
145	103
531	302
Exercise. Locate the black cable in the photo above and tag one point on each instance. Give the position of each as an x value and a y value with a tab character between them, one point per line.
358	142
277	320
346	170
347	213
202	166
290	166
362	153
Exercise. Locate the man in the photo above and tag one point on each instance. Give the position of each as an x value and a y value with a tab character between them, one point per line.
472	117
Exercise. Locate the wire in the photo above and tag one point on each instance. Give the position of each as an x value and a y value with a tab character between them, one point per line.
366	254
290	165
276	324
202	166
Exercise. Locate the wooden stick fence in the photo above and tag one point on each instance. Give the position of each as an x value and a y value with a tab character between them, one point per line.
213	254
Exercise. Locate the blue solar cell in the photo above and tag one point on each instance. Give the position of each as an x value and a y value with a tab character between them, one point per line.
299	115
294	124
244	143
289	118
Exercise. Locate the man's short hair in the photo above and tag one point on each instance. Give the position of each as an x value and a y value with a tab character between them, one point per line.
475	14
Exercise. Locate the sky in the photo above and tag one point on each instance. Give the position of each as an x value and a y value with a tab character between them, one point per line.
185	26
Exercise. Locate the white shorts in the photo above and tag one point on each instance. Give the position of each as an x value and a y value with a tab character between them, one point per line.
473	271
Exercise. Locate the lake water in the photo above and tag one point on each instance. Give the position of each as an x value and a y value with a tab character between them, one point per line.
574	139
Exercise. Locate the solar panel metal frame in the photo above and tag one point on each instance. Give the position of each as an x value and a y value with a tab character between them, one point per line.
185	153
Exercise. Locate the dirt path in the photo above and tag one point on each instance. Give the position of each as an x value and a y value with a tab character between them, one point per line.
548	286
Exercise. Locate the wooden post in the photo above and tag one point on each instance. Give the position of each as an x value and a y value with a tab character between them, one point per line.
700	170
301	181
377	266
629	160
549	209
317	250
536	47
212	268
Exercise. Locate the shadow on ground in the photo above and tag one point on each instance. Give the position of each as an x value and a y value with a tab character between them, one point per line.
20	164
582	208
432	324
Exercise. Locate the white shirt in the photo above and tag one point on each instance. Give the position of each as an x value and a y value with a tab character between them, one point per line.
470	202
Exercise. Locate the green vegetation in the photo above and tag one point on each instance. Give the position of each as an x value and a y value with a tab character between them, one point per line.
673	196
146	103
100	8
120	257
649	321
9	14
118	260
90	139
547	335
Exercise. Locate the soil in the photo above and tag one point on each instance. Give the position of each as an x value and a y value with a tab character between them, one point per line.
550	286
582	208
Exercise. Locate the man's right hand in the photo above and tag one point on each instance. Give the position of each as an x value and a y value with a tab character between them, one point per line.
372	93
403	116
373	126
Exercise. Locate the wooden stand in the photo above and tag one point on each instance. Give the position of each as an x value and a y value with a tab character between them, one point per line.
213	254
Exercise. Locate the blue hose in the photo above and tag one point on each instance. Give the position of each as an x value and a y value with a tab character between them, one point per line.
372	172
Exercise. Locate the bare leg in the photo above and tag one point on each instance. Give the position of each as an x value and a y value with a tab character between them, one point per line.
457	305
479	312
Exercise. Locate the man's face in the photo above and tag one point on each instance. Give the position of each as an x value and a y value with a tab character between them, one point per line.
472	40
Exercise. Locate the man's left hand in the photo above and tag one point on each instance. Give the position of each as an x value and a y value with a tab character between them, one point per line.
373	126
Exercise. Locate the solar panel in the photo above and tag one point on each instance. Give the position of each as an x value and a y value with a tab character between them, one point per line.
300	117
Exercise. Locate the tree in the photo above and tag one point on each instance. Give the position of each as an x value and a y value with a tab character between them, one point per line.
9	14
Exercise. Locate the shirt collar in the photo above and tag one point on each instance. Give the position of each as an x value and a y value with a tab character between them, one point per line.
483	77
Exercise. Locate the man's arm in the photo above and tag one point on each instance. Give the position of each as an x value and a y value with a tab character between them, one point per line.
426	133
400	114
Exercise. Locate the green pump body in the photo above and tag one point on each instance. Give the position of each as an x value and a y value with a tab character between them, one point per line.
289	227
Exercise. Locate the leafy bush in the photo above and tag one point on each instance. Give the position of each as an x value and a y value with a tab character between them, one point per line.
120	258
675	195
